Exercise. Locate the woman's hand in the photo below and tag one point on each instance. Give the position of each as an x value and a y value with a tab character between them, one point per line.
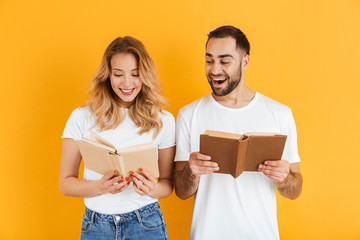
110	183
144	183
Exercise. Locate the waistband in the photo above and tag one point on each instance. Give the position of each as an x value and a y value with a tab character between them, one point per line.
123	217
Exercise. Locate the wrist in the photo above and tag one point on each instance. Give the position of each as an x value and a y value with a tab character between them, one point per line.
99	187
189	173
154	191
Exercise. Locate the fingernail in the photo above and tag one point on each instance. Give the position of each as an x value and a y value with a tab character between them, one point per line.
115	171
131	175
141	169
127	180
131	172
128	183
122	177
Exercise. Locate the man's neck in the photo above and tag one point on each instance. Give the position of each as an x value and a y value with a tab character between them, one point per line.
238	98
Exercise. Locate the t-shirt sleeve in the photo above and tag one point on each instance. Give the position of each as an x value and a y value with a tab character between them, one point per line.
183	146
168	132
75	126
291	148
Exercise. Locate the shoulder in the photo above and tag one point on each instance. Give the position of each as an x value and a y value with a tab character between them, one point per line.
188	110
81	112
77	124
166	116
274	105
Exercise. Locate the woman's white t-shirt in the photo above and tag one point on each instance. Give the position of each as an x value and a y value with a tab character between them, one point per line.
126	134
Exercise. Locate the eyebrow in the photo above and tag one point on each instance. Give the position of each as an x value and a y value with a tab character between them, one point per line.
220	56
118	69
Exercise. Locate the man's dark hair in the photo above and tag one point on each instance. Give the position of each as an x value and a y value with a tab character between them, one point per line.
230	31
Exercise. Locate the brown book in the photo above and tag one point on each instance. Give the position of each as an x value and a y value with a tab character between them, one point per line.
101	156
236	153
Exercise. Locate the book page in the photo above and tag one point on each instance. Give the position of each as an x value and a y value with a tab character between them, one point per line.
97	138
96	144
138	147
222	134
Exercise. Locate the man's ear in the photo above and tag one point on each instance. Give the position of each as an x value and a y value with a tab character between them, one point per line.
245	61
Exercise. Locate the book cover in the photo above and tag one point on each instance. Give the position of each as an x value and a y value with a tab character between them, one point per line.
236	153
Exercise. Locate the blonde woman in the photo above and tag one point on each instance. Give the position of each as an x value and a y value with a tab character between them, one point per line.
124	107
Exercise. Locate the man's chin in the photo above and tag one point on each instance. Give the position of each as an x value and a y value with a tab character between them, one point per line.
219	93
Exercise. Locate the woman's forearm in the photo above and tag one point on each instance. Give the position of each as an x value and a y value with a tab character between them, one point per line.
162	189
74	187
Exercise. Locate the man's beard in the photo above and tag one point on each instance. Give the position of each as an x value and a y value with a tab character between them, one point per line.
233	82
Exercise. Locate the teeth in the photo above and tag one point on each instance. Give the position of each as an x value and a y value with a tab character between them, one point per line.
126	91
219	81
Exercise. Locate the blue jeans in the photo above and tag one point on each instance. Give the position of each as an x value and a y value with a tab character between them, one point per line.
146	223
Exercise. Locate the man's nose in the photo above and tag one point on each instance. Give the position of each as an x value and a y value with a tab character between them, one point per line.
216	69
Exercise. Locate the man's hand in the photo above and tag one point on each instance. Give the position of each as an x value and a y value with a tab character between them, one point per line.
276	170
187	173
287	177
200	164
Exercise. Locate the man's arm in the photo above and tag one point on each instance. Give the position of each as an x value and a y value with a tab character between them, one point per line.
187	174
287	177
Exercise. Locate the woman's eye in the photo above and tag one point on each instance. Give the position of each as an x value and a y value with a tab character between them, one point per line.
117	75
135	75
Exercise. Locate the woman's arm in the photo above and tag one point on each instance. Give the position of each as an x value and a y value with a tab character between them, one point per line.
148	185
71	185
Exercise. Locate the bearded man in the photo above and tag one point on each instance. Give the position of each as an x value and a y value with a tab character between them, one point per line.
225	207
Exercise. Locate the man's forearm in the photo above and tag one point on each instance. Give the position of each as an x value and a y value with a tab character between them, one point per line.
186	183
292	185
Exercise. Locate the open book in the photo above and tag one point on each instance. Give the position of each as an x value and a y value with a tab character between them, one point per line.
101	156
236	153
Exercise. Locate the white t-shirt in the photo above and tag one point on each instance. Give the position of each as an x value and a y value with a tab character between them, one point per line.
224	207
126	134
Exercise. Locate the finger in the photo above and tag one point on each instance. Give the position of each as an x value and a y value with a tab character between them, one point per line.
143	186
138	190
148	175
109	174
119	187
204	169
117	179
139	177
120	190
276	163
197	171
275	178
110	182
203	163
275	169
280	175
199	156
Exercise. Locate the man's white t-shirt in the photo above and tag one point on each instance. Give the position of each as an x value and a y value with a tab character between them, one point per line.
224	207
126	134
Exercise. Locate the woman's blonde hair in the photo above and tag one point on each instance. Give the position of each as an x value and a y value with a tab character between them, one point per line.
145	108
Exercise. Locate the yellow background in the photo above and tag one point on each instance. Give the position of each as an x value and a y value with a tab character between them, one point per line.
304	54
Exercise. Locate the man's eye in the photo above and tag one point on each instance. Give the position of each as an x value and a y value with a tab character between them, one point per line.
224	63
208	61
